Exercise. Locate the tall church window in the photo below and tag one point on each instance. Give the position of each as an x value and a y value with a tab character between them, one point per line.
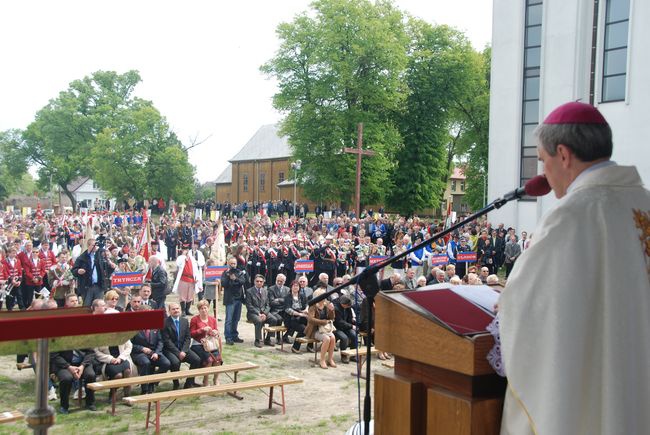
617	20
530	99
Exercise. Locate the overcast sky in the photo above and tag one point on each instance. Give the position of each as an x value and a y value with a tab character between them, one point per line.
199	60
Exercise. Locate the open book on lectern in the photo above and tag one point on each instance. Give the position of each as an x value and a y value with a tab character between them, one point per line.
464	310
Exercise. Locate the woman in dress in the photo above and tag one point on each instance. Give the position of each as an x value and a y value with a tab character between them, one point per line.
203	325
319	316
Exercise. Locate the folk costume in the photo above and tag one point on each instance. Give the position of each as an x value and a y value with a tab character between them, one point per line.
188	280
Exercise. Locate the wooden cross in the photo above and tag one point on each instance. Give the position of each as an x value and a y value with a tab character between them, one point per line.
359	152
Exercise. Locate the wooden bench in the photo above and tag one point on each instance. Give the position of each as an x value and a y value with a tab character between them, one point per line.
361	360
208	391
167	376
274	330
312	341
9	416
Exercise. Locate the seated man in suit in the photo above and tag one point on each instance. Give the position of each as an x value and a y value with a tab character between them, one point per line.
410	280
277	294
147	353
176	344
135	304
61	365
346	329
258	310
145	294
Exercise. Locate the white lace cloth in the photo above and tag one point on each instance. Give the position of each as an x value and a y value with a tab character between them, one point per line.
494	355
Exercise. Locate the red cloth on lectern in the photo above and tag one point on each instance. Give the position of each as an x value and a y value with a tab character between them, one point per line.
459	314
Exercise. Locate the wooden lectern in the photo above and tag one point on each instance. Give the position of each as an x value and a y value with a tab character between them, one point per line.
442	383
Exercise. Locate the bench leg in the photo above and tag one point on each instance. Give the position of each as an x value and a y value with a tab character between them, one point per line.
283	404
158	416
113	400
234	393
271	398
146	426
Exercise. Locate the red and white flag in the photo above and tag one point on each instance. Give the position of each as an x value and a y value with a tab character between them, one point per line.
144	245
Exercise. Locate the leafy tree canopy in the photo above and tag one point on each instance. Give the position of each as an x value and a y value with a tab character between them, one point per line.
417	88
12	163
97	128
335	68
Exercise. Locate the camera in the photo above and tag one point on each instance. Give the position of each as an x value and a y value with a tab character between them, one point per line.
100	241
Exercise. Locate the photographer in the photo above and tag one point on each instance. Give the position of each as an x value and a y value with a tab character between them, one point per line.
234	281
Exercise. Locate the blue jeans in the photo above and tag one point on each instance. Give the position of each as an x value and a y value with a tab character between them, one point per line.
233	314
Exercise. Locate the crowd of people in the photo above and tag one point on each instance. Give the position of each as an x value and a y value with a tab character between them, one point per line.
63	261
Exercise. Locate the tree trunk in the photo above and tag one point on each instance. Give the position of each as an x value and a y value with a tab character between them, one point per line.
70	196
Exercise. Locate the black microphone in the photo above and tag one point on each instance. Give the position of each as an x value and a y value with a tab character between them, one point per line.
536	186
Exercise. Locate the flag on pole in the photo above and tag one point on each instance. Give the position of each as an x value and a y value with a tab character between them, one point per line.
218	253
144	247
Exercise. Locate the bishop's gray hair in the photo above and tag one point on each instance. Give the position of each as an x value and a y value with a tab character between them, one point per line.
588	142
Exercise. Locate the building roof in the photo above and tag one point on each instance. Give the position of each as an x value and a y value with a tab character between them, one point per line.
264	145
75	184
458	174
225	177
286	183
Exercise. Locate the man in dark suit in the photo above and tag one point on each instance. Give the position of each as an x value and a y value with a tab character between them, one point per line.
277	293
158	283
176	344
61	365
258	310
145	294
171	241
90	274
148	355
346	329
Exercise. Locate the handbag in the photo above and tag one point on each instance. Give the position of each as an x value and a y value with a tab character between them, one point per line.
327	328
210	343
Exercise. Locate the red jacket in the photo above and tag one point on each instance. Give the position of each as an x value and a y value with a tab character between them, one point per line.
24	258
48	258
16	271
197	325
34	273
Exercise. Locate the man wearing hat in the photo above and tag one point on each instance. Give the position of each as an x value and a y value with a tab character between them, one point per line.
574	341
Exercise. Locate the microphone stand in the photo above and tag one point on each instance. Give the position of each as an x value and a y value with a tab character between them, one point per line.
368	282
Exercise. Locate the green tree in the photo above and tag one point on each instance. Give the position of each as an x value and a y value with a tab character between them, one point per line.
473	114
442	67
139	157
13	165
337	66
97	128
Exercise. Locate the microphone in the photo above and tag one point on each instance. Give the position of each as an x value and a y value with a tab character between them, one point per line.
536	186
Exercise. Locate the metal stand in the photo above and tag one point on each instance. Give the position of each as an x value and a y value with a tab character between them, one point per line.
41	417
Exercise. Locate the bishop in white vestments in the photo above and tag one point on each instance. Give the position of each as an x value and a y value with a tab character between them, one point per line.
575	314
